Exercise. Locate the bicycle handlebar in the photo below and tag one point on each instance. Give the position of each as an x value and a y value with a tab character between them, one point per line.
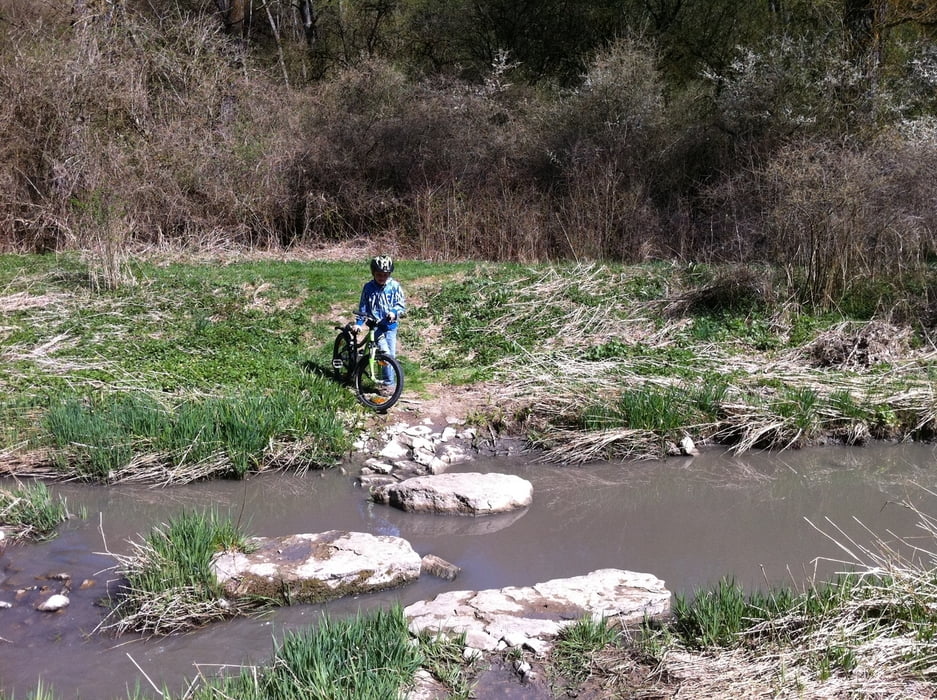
370	321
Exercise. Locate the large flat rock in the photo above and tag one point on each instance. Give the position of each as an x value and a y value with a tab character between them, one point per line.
532	617
467	493
311	568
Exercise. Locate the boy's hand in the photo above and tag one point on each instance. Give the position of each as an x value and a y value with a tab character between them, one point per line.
353	329
391	317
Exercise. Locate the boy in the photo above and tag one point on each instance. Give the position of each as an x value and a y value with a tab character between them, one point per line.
382	299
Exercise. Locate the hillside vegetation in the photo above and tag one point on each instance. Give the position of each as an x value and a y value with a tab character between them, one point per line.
800	134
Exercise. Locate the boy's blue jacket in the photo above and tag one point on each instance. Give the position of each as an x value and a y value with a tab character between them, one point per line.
378	301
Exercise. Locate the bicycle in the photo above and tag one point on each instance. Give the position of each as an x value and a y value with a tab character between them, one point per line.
376	376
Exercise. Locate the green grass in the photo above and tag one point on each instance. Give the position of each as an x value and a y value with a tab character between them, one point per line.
577	643
41	692
717	617
663	410
30	511
170	586
101	435
221	369
226	363
368	657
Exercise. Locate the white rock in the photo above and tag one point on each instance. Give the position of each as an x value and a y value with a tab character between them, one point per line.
463	494
416	442
423	457
496	618
317	567
380	466
448	434
472	655
394	450
453	454
5	605
54	603
418	431
687	447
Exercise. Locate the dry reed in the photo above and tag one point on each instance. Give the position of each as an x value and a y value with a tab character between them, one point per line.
884	625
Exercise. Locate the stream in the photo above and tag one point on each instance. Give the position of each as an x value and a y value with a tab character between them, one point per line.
764	519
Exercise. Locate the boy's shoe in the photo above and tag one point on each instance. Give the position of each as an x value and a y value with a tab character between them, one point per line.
386	390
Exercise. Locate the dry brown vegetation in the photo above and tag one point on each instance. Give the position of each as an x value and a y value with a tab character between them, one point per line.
129	123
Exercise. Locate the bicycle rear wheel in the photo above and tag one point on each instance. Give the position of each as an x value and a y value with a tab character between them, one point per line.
381	388
343	355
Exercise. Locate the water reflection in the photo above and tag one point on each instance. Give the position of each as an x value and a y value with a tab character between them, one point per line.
688	521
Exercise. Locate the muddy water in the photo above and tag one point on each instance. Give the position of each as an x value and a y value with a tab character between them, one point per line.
688	521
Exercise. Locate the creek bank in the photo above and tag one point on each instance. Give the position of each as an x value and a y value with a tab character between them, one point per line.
403	450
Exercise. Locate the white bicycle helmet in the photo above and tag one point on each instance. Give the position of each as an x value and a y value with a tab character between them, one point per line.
382	263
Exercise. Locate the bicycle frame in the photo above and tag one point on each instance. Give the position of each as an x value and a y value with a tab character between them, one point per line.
357	357
370	347
366	346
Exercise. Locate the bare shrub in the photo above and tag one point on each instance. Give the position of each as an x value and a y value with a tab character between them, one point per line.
839	213
499	222
604	141
739	288
790	86
417	159
153	118
852	346
835	212
605	215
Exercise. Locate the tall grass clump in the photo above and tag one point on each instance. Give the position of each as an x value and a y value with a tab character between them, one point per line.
718	617
116	436
651	408
42	692
169	585
30	511
364	657
370	656
663	410
576	644
367	657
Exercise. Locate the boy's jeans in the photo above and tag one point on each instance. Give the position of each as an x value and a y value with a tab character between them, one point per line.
387	342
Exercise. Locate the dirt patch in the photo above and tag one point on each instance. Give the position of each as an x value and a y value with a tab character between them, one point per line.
440	403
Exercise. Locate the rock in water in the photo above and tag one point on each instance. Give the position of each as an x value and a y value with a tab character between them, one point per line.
54	603
461	494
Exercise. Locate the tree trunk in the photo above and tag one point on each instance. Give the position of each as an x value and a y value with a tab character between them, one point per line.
235	14
862	24
308	13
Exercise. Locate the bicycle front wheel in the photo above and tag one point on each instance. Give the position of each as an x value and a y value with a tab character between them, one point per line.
343	356
378	384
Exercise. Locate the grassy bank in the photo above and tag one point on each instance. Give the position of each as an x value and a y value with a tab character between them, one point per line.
603	362
196	370
181	372
866	634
